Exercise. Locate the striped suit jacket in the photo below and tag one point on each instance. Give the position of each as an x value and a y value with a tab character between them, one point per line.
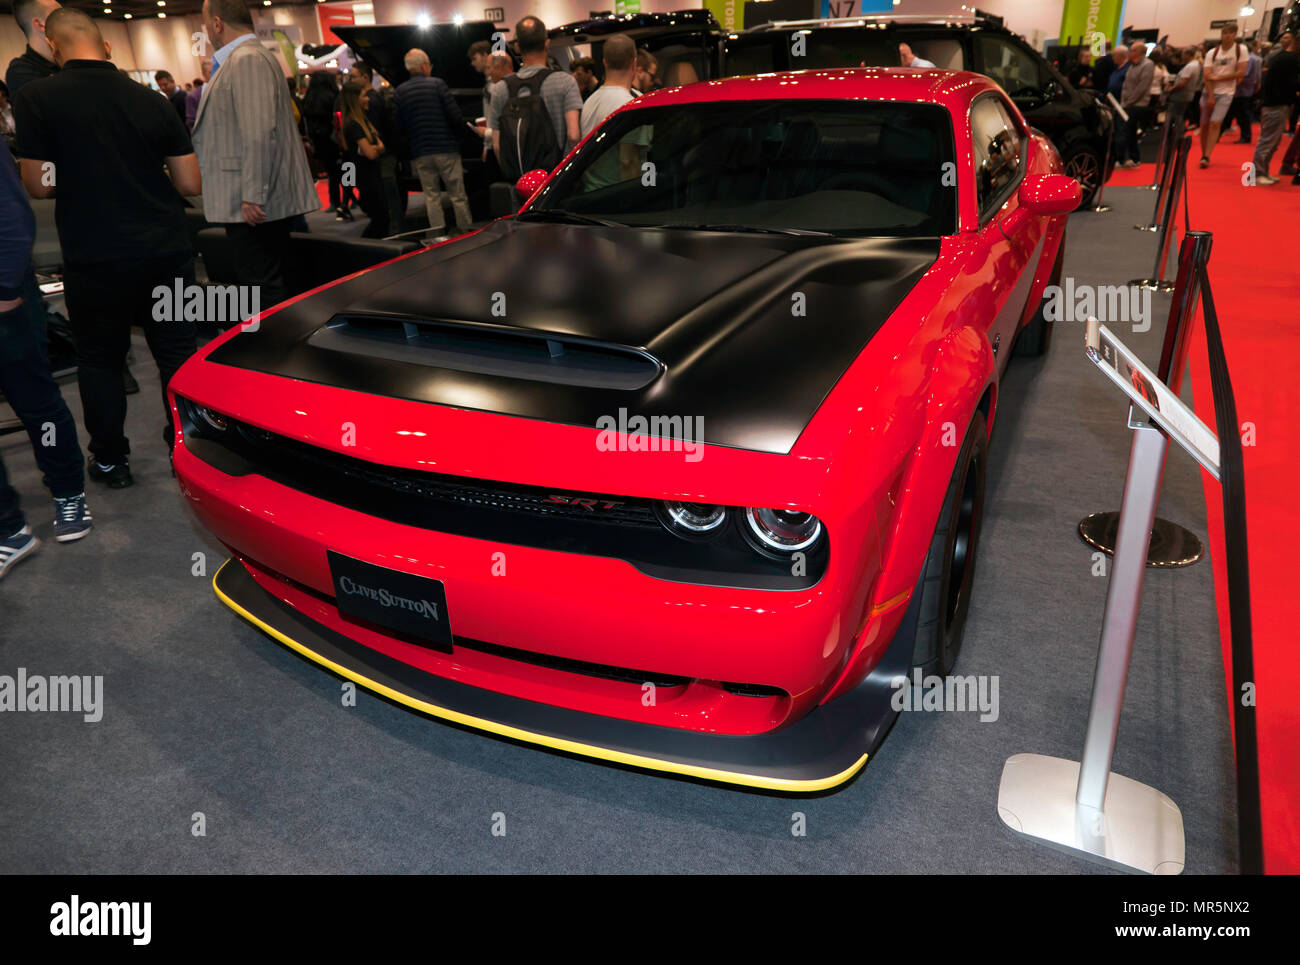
247	143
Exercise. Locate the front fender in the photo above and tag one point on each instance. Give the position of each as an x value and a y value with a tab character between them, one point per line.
964	372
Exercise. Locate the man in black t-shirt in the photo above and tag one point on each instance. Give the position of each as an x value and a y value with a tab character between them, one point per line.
97	141
36	61
1281	75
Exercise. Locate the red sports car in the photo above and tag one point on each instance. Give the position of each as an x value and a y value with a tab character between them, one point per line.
682	466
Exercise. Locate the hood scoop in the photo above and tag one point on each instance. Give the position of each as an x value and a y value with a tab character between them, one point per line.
489	350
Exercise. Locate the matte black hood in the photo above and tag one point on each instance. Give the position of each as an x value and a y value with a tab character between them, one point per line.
569	323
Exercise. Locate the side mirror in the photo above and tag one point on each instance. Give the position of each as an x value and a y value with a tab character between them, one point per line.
1049	194
530	182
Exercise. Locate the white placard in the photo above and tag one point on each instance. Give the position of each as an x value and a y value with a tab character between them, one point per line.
1152	396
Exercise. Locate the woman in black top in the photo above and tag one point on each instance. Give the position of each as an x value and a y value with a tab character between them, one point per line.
318	116
363	148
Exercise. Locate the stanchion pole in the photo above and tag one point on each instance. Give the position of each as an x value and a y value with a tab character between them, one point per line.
1163	152
1146	466
1099	207
1164	169
1157	280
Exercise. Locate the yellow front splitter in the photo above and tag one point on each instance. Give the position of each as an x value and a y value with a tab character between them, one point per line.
821	751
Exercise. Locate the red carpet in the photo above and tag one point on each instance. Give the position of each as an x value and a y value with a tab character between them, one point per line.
1255	280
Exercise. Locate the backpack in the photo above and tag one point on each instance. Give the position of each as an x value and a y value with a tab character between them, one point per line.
527	135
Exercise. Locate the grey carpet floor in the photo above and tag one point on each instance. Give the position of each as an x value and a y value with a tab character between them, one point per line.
204	715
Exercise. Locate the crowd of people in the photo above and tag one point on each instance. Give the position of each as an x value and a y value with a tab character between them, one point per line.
120	160
123	162
1210	87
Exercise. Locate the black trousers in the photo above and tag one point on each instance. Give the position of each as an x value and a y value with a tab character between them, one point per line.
27	385
104	301
258	255
1241	109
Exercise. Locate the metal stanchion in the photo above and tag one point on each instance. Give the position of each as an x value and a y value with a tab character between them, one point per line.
1164	170
1099	207
1165	136
1157	280
1170	545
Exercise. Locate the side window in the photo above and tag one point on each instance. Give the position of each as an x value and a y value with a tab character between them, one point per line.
998	148
945	52
1015	70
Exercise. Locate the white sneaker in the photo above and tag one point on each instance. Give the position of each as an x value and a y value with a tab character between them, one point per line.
20	545
1265	179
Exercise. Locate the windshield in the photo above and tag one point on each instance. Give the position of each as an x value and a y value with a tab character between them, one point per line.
840	167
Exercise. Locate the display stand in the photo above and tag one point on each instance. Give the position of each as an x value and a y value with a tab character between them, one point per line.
1082	807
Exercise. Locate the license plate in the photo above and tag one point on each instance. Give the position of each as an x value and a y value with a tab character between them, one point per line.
415	606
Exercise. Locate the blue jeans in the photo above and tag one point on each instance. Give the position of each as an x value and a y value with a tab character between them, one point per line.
29	388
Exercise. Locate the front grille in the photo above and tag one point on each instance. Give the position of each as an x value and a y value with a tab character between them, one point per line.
457	490
591	524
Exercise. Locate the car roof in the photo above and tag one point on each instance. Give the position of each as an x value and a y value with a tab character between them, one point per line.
882	21
635	25
953	89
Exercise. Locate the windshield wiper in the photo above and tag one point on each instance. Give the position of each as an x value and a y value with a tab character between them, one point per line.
756	229
567	217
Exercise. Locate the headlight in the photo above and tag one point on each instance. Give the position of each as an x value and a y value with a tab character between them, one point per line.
781	531
212	419
692	520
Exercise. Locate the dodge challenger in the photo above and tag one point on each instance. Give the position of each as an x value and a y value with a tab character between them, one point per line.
682	466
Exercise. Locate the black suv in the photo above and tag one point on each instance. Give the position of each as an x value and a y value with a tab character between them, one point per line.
1075	122
687	44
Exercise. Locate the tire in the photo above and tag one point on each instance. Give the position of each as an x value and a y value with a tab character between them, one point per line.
1084	165
949	573
1036	337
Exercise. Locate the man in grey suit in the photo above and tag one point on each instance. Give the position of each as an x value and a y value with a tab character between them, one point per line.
255	175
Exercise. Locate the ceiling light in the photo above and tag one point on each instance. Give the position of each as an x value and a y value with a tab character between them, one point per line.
126	16
422	21
458	20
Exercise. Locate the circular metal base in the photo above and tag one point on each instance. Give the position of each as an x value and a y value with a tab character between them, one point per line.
1171	545
1099	209
1147	227
1155	284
